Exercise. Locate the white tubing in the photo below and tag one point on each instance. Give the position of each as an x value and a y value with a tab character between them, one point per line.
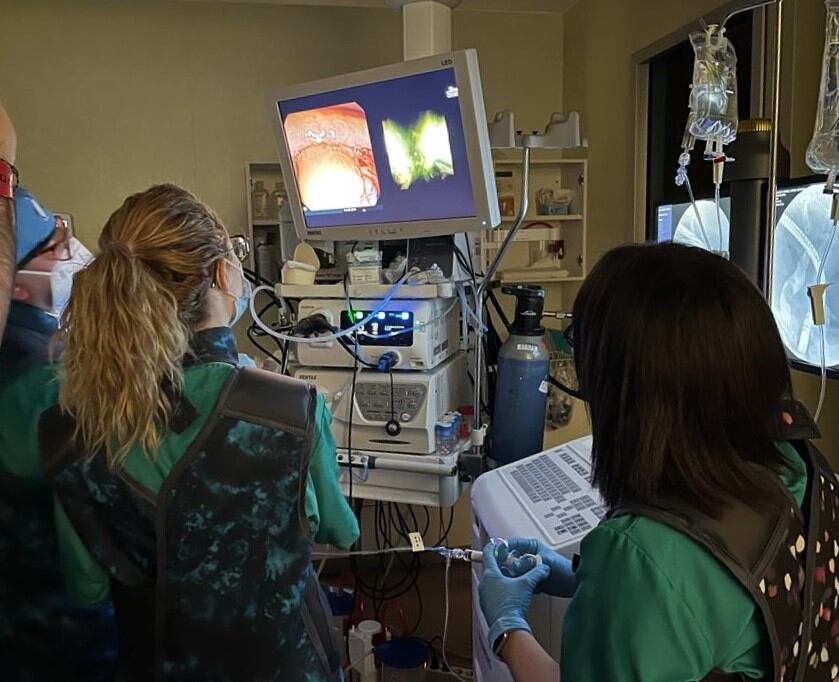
696	211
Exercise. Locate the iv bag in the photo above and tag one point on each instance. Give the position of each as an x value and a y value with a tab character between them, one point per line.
823	150
801	238
713	93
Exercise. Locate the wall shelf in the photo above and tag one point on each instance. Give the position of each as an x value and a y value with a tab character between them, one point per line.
538	276
554	183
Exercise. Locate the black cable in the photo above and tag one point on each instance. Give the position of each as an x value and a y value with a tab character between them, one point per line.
492	298
427	521
392	398
254	331
562	387
250	334
284	365
346	346
402	585
445	535
256	278
350	422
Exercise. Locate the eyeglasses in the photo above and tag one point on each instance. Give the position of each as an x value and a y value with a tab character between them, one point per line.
241	247
58	247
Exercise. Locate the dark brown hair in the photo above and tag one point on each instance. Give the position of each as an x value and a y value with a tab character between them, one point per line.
683	370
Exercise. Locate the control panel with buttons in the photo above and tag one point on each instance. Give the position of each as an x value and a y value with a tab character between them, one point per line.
374	401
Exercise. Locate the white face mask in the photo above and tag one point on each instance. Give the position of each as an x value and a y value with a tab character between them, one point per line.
61	276
242	300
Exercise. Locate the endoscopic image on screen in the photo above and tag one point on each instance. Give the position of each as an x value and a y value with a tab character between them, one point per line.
419	151
333	157
381	152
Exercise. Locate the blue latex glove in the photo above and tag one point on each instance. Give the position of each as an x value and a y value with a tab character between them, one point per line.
562	581
246	361
505	601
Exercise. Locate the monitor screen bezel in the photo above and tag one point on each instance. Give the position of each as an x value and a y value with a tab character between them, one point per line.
476	135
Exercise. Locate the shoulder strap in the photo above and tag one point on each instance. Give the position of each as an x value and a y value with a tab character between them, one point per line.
55	440
741	537
803	427
272	400
278	402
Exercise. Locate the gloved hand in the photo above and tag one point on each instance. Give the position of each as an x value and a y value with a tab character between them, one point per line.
505	601
562	582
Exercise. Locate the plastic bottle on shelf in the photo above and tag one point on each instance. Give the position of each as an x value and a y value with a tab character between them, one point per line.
278	198
266	264
259	200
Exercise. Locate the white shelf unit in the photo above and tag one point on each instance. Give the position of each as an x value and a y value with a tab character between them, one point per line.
532	255
263	228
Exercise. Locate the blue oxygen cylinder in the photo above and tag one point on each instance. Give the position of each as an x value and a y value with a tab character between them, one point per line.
521	389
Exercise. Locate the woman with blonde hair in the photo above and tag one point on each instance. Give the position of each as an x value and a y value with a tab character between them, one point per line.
190	487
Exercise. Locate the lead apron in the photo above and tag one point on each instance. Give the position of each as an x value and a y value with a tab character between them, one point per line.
211	576
788	561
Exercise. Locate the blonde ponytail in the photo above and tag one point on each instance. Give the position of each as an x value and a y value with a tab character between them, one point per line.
129	321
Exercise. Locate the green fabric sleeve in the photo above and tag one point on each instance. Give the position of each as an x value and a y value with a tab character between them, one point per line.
22	400
626	623
85	580
330	516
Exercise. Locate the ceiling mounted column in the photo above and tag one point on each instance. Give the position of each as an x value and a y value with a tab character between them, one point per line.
426	26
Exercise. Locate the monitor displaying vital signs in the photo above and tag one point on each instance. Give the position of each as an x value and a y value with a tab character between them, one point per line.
391	152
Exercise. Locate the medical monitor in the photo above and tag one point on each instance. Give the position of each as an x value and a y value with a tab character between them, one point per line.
802	234
679	223
393	152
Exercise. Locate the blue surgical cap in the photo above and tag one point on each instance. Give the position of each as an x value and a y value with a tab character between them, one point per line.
34	224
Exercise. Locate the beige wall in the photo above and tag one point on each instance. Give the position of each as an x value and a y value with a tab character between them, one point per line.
110	96
113	95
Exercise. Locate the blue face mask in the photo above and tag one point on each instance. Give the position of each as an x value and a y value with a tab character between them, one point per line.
242	300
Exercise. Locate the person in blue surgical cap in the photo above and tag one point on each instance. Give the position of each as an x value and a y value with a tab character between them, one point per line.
43	635
47	256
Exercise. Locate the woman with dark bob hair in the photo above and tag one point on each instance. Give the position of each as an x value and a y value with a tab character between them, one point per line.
717	559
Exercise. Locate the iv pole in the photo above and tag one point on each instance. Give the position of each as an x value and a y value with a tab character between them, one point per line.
562	132
772	194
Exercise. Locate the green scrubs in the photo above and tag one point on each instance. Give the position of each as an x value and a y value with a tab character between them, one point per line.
653	606
330	517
